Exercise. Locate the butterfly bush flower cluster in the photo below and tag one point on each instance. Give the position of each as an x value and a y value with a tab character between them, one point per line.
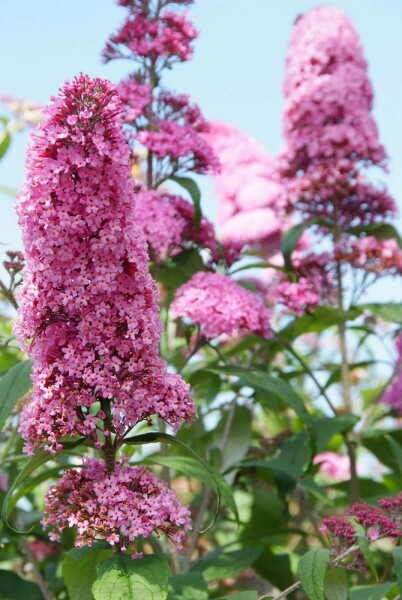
393	392
89	316
166	38
376	522
312	283
372	254
251	197
328	126
120	506
220	306
331	140
168	222
165	126
14	263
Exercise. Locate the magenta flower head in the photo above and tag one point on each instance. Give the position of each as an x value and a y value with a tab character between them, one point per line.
119	507
329	96
152	31
89	316
167	222
220	306
328	125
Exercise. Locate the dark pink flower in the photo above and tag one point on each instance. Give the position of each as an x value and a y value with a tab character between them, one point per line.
220	306
330	132
117	507
168	225
89	313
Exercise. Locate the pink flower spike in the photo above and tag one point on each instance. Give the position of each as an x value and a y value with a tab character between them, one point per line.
89	314
221	306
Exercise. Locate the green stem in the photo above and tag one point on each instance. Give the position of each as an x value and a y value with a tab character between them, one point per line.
346	389
307	370
209	493
149	170
9	443
8	295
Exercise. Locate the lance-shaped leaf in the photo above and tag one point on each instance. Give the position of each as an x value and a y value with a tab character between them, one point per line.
312	569
13	385
193	468
258	379
156	436
192	188
41	457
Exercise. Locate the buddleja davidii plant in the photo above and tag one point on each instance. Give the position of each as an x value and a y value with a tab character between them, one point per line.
89	321
328	151
330	142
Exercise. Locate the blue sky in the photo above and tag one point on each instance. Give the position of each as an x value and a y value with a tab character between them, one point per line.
236	74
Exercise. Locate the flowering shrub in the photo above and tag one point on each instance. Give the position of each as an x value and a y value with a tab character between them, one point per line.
194	414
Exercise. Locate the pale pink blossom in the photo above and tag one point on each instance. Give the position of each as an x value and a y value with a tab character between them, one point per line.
117	507
251	198
220	306
332	465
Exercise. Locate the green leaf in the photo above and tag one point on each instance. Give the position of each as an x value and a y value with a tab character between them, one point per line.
374	441
364	546
188	586
79	571
390	311
289	240
336	584
239	439
122	578
370	592
312	569
317	321
179	269
326	427
192	188
156	436
396	450
5	141
269	518
397	556
258	379
382	231
13	587
220	565
241	596
41	457
257	265
13	385
204	387
32	484
294	457
274	567
193	468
